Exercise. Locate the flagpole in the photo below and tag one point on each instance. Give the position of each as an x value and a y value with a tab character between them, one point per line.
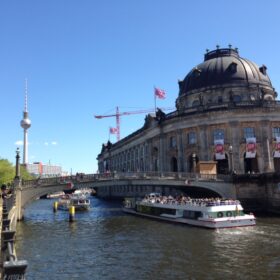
155	101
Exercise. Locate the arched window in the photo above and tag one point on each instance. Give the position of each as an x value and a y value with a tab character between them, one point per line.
219	134
275	132
172	143
191	138
233	67
249	132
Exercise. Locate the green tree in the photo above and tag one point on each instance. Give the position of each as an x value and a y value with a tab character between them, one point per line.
7	172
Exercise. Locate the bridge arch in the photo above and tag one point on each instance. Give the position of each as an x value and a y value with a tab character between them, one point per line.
120	185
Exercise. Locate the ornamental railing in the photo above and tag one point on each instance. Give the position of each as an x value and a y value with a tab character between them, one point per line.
11	267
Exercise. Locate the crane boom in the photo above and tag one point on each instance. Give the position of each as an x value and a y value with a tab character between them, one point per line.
129	113
118	114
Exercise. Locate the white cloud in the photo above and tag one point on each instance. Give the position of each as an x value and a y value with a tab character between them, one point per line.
19	143
46	143
54	143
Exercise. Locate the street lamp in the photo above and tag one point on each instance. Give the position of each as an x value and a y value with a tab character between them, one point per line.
230	148
17	164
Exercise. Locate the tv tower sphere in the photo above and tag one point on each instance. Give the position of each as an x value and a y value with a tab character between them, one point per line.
25	123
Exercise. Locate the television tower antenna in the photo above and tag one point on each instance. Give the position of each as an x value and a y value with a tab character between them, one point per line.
25	124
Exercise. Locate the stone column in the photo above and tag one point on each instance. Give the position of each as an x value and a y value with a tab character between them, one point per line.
269	156
264	146
161	153
180	151
164	154
235	140
18	189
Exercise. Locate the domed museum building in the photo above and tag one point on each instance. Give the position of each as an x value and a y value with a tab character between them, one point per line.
226	113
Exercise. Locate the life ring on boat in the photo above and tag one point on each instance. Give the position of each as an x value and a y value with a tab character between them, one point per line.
220	214
229	213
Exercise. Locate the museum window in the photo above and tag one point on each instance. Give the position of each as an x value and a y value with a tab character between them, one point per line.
172	142
263	69
233	67
275	132
249	132
195	103
219	134
220	99
192	138
237	98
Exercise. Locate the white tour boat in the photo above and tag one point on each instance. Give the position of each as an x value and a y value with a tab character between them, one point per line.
204	212
80	202
56	195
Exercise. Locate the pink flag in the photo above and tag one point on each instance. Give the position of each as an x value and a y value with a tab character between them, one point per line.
160	93
113	130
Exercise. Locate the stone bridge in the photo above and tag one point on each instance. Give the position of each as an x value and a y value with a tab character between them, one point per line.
119	185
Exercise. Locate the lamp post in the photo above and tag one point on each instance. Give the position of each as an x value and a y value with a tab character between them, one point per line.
17	164
231	158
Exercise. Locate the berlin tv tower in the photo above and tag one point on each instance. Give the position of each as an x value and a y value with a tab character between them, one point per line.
25	124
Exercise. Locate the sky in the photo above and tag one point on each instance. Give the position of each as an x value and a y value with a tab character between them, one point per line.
86	57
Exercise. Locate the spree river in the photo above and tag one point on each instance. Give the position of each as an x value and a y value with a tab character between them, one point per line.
105	243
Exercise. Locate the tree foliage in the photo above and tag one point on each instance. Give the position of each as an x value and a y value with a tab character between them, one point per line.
8	172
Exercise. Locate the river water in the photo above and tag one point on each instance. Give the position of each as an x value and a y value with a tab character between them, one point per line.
105	243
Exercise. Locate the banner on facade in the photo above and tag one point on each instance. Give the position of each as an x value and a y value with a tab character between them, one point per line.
277	148
251	147
219	149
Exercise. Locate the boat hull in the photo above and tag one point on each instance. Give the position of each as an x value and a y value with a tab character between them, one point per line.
77	208
242	221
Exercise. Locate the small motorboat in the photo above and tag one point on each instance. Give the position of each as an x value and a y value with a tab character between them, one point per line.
80	202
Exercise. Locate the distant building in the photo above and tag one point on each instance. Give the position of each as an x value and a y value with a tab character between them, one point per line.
38	169
226	111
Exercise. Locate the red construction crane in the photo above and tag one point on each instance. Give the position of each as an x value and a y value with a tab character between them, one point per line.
118	114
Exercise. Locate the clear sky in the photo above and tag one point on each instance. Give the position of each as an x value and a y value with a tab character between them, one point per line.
86	57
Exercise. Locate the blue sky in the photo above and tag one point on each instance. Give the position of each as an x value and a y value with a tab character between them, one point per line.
83	58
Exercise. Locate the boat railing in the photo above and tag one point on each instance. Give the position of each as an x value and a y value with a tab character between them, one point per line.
192	202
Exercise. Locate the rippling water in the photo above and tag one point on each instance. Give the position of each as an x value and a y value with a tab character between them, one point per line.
105	243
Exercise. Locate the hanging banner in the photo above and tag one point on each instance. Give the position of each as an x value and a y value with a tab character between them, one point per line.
219	149
251	147
277	148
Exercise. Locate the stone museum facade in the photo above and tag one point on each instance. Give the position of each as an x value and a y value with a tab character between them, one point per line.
226	111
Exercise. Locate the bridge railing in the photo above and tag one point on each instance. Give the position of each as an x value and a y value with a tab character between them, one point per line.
161	175
124	175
